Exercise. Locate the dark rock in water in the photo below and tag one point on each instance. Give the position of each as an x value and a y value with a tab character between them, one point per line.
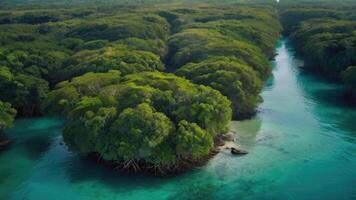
238	151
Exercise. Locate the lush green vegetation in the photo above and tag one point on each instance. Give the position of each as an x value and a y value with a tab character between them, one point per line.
46	46
239	82
105	69
23	91
42	47
325	36
7	114
109	58
227	49
159	118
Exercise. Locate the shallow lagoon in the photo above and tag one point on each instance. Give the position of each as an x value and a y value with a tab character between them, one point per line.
302	145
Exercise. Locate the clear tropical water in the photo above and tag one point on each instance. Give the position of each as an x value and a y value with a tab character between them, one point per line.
302	145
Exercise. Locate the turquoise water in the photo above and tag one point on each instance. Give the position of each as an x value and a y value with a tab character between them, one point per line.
302	145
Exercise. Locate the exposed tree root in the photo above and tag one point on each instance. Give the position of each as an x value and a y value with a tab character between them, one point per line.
183	164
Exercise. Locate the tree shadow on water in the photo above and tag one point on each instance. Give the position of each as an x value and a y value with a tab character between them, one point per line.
333	97
330	101
35	146
81	169
5	173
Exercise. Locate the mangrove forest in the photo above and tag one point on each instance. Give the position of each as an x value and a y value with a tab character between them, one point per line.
170	89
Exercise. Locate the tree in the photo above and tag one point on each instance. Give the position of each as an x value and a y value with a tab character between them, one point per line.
24	92
7	114
237	81
149	117
110	58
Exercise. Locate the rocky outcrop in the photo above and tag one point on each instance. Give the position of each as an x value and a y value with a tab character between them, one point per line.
236	151
227	142
229	137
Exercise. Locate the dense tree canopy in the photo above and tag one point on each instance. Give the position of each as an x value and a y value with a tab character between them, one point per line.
209	43
52	45
249	34
110	58
24	92
154	117
7	114
228	50
237	81
325	36
102	68
145	26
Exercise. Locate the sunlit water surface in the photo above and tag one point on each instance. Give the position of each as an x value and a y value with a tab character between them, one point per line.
301	146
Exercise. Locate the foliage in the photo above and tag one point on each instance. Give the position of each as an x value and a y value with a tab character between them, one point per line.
227	50
325	36
7	114
24	92
59	43
155	117
68	93
120	27
233	79
109	58
194	45
104	65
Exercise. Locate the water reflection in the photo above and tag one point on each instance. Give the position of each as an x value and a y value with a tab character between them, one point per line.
81	170
35	146
326	100
32	139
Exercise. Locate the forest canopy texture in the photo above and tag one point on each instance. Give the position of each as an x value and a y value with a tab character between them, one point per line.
139	85
151	86
325	35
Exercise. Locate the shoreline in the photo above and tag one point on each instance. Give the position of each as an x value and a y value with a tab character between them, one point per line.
221	143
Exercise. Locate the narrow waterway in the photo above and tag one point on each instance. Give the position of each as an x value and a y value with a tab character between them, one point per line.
302	145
